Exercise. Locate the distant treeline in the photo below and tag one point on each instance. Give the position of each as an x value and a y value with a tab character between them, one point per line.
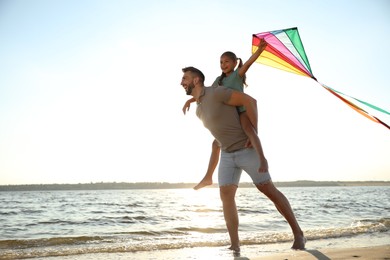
166	185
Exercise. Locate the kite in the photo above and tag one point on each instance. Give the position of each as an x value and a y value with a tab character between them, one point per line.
285	51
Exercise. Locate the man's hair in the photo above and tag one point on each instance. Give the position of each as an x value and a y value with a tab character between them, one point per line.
196	72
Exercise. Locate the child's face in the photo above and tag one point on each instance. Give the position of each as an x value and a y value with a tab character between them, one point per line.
227	64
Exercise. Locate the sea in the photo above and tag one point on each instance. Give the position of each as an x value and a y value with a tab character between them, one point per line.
147	223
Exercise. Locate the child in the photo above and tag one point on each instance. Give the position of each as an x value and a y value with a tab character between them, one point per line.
234	79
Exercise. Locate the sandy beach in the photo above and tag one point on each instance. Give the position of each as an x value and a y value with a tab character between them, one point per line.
372	253
359	247
377	252
255	252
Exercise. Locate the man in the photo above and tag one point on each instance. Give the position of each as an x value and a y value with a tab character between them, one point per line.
216	107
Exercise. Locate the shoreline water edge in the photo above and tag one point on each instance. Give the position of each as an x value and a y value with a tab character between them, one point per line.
187	224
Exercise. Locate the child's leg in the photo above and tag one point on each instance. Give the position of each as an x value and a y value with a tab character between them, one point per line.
254	140
214	159
207	180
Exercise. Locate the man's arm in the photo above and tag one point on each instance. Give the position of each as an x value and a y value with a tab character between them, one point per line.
241	99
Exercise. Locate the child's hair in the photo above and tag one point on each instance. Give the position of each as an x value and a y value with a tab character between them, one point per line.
233	57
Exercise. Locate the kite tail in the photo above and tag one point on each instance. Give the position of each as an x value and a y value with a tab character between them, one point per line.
381	122
353	106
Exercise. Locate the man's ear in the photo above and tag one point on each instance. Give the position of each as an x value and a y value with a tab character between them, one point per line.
196	80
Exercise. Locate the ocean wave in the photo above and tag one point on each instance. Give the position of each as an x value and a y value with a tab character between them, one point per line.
46	242
207	210
385	222
172	239
201	230
9	213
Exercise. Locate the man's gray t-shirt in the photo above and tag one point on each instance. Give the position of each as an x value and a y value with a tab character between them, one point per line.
222	120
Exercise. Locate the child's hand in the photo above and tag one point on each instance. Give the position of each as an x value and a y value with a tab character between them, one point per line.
263	165
262	44
248	144
186	106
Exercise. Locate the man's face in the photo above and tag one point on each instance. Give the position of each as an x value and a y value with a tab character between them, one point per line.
187	82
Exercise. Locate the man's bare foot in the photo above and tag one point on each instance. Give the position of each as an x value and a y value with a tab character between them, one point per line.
203	183
299	243
236	249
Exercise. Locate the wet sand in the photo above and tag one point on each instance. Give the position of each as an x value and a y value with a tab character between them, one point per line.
207	253
377	252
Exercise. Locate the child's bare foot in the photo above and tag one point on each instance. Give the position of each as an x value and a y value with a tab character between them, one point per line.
203	183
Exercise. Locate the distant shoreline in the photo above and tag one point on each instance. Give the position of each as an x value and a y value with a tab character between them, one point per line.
166	185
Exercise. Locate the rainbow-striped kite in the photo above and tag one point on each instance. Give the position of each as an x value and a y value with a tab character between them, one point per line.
285	51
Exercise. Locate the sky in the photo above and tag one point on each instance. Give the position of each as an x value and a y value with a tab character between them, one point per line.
90	89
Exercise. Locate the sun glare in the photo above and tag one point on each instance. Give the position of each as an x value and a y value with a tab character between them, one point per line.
204	207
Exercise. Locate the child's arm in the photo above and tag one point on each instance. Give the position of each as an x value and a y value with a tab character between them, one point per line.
187	105
261	47
239	98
